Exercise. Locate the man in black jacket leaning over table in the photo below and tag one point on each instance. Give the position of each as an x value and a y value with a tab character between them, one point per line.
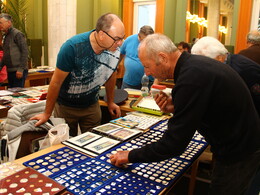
209	97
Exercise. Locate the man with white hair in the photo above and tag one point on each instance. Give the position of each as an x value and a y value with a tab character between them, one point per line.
209	97
253	50
246	68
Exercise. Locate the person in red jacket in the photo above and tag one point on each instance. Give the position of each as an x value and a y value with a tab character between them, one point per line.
3	72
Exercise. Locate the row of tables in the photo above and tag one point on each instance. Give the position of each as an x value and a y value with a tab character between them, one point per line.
81	177
81	174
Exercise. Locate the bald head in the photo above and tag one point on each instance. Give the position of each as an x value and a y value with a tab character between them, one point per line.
106	21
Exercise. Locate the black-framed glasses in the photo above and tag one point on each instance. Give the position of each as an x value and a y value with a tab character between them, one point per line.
114	39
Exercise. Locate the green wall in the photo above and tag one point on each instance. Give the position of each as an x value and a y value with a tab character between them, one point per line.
85	14
169	18
35	19
175	19
88	11
235	22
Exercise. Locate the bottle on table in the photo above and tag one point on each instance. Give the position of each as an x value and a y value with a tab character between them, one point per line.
145	83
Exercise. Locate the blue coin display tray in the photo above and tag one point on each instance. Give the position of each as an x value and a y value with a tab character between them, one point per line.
56	161
164	172
130	184
193	150
88	176
196	146
96	177
161	126
198	137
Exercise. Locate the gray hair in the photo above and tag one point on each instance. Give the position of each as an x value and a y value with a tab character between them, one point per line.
253	37
105	22
209	46
6	17
146	30
156	43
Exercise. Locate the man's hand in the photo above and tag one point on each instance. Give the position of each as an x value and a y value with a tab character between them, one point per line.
19	75
114	110
42	118
164	102
120	158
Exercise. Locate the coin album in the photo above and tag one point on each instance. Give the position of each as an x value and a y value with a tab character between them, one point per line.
106	128
84	139
96	146
144	121
125	133
124	122
116	132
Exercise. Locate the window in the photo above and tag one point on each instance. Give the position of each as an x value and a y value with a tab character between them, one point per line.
144	14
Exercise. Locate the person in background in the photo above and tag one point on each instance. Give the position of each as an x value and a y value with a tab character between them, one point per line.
15	51
3	72
183	46
194	40
246	68
85	62
253	50
204	99
134	69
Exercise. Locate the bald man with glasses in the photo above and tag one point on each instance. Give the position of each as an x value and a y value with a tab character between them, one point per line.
85	62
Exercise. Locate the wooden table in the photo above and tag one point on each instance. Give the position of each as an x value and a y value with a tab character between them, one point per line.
194	167
125	106
39	153
38	78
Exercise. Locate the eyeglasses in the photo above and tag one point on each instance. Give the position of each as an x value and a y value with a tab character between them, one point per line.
114	39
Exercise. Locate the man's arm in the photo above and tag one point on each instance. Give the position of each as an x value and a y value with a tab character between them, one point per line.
53	92
110	87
